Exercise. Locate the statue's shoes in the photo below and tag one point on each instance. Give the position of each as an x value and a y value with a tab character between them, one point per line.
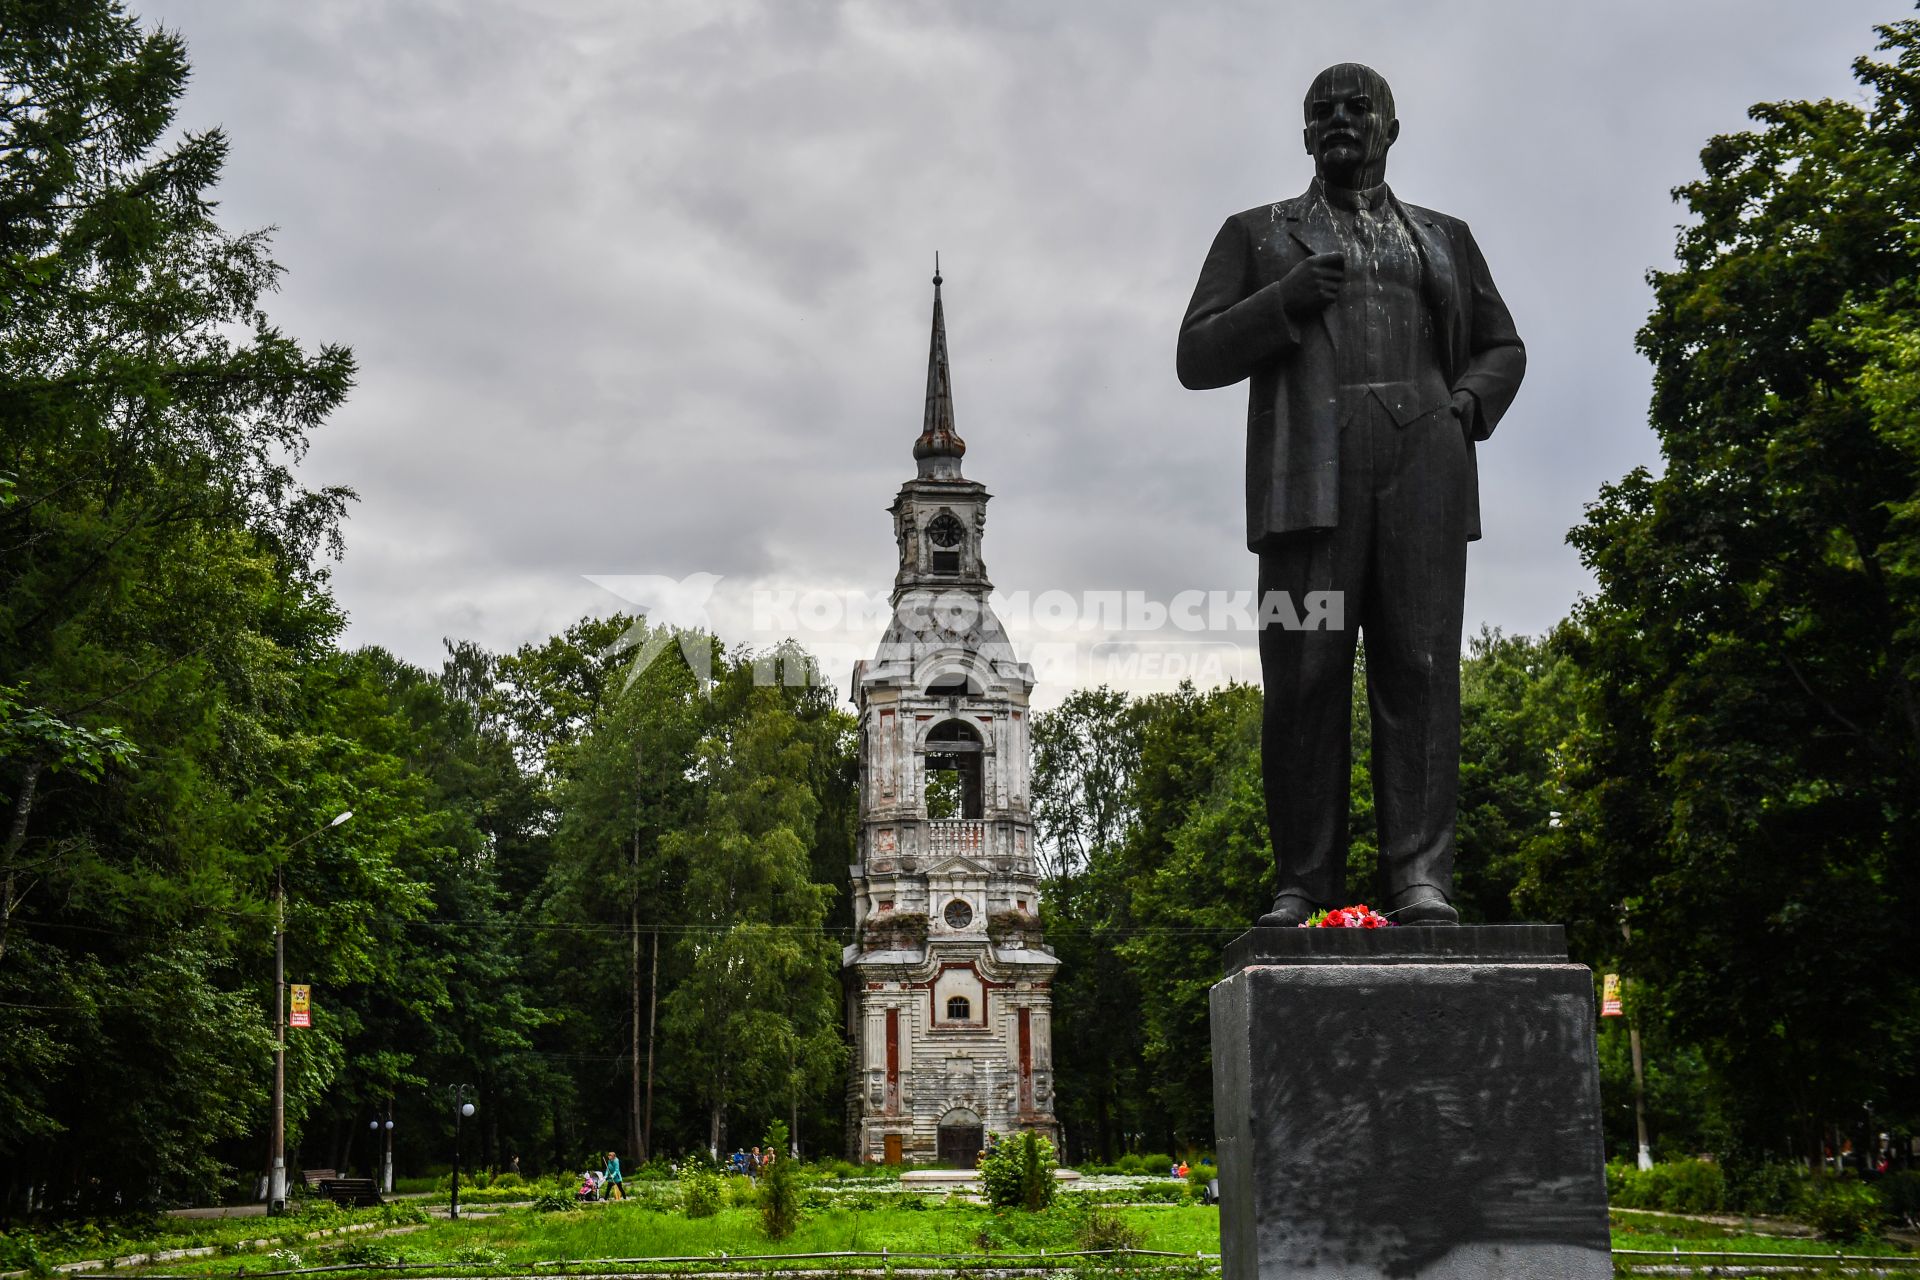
1421	904
1289	912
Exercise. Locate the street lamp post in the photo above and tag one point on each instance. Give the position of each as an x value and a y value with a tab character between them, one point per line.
277	1170
461	1108
385	1174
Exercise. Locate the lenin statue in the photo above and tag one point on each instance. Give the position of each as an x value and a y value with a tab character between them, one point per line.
1378	355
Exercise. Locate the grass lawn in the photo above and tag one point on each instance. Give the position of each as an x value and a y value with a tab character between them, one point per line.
518	1237
510	1240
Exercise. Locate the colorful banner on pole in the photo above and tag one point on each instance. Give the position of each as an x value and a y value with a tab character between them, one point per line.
1610	996
302	1006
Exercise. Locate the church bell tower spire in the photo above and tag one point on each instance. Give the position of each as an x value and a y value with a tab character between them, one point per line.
939	448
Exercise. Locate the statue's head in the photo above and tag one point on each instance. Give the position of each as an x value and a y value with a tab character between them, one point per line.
1350	125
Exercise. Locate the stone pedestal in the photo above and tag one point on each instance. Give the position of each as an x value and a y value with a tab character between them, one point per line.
1411	1102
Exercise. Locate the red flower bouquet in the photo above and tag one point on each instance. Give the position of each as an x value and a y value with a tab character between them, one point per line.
1359	916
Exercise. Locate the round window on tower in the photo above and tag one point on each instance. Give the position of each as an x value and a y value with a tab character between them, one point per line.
958	914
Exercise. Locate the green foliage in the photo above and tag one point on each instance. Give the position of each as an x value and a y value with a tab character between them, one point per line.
1682	1099
1743	771
479	1255
1764	1186
20	1252
756	1013
1516	704
703	1190
368	1253
1680	1186
402	1213
157	601
779	1187
1018	1173
1099	1228
1843	1209
554	1202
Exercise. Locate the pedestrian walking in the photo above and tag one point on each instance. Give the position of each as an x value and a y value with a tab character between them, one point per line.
611	1179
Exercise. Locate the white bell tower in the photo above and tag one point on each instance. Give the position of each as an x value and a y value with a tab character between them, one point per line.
948	979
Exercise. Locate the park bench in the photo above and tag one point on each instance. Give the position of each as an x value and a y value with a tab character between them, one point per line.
348	1193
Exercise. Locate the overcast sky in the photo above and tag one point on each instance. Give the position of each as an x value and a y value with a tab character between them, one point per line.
641	288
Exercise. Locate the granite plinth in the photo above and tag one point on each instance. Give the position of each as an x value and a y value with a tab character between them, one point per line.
1413	1102
1415	944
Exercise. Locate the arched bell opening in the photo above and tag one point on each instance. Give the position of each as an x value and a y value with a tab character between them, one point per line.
955	755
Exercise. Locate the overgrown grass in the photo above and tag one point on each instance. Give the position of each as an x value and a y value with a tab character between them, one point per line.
121	1237
1632	1230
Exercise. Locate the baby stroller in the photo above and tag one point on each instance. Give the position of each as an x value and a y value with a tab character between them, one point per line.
589	1186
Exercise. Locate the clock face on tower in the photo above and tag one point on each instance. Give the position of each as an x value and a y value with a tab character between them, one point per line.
958	914
946	531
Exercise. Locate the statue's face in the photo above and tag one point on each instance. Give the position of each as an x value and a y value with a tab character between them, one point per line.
1350	125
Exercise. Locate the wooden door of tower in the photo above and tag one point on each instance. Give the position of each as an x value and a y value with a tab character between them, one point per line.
892	1148
958	1145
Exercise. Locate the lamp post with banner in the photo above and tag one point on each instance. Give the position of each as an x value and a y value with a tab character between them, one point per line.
277	1147
1643	1157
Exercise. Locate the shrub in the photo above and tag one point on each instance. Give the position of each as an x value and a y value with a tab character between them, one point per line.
1764	1186
702	1191
897	930
1018	1173
20	1253
1128	1163
1843	1209
658	1169
1690	1186
402	1213
507	1181
553	1202
659	1197
479	1255
1677	1186
368	1253
779	1188
1105	1229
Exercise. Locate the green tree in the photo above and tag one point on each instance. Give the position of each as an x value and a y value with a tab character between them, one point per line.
756	1015
625	782
157	603
1516	706
1745	776
1200	870
779	1187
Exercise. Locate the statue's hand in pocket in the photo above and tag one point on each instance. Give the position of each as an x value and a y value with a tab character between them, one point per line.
1466	408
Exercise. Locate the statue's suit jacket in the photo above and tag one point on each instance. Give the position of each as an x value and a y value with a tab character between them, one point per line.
1236	328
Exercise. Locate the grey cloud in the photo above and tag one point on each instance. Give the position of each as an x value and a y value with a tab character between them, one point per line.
643	288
